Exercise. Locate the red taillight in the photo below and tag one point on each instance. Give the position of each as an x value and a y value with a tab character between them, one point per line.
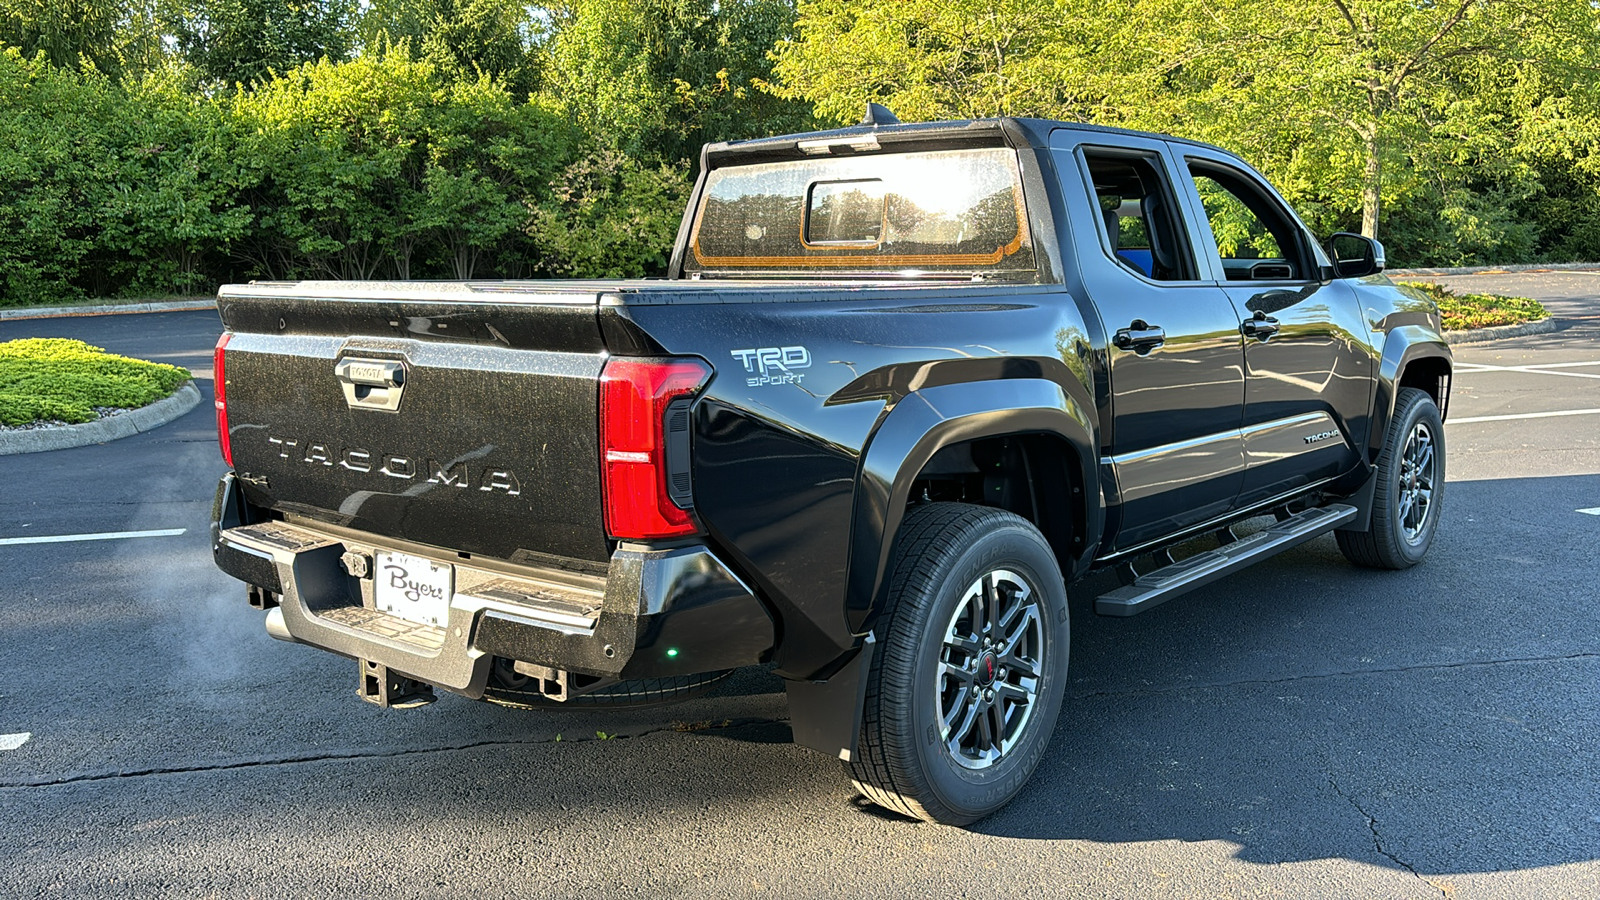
635	396
219	383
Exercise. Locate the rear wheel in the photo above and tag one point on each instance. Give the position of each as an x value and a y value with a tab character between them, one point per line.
971	664
1407	503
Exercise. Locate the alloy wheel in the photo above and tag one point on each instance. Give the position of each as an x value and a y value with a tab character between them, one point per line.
990	666
1418	471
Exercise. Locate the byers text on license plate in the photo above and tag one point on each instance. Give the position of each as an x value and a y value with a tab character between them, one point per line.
413	588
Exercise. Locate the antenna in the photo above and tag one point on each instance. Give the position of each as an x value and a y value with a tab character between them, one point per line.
878	114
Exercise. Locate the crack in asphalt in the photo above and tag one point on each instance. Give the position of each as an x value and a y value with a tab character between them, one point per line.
338	756
1311	676
1377	839
727	724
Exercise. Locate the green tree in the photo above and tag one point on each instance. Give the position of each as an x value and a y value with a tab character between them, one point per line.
1350	105
339	158
109	35
1375	96
174	195
609	216
54	149
245	41
365	167
463	38
658	78
956	59
489	159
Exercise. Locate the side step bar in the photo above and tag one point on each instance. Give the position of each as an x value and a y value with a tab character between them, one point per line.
1155	588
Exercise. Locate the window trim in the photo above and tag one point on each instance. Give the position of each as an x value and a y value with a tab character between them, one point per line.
811	201
845	266
1160	161
1300	240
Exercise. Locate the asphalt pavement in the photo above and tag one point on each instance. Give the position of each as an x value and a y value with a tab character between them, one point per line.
1304	729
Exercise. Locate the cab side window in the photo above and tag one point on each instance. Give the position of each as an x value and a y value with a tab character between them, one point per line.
1140	221
1254	239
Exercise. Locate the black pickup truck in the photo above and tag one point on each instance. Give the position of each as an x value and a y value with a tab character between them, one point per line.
902	385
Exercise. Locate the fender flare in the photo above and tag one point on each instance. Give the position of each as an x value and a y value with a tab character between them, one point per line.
1404	345
919	425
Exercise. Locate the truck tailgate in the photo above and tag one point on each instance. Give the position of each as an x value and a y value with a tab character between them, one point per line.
460	416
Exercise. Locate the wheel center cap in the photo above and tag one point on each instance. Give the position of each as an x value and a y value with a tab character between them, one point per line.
987	667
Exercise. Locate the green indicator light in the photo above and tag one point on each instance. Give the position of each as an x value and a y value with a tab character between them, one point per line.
672	652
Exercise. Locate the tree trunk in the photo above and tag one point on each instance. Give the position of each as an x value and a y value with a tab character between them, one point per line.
466	256
1371	182
402	258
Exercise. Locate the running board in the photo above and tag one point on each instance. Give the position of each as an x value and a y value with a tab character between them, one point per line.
1155	588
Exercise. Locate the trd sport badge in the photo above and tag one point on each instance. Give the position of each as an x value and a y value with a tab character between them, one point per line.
773	365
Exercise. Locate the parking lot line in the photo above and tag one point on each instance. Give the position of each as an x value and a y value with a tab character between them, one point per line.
1485	367
13	741
1538	415
102	536
1529	370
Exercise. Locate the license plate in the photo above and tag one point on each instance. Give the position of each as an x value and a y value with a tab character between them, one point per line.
413	588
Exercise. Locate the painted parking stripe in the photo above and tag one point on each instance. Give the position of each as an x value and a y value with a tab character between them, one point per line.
13	741
1528	370
1539	415
1591	511
102	536
1485	367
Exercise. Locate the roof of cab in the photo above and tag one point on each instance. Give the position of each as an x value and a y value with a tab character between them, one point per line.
1020	132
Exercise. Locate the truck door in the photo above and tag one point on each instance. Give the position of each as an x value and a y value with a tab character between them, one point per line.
1171	446
1308	377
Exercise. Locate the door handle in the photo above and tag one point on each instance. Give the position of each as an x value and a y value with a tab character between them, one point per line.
1260	326
1139	336
371	383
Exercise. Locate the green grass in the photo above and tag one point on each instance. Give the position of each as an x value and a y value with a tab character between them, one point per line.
1465	311
55	379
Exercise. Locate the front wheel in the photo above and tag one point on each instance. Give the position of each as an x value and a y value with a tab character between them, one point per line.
970	668
1408	501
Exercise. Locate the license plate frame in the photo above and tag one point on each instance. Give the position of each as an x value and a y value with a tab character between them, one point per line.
413	588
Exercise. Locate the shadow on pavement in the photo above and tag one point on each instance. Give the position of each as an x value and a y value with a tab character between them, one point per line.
1449	710
1438	720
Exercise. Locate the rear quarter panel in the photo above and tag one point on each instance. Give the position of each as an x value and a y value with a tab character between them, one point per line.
800	388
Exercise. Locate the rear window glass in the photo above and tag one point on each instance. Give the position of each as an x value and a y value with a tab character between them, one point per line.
846	213
948	210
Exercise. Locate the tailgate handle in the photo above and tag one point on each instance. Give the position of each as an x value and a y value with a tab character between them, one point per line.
371	383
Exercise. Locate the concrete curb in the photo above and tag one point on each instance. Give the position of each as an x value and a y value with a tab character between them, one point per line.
1493	270
109	309
1501	332
128	424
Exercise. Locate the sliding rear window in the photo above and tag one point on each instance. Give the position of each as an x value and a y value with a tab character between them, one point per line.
942	211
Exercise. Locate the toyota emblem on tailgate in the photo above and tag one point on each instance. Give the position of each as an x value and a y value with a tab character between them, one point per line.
371	383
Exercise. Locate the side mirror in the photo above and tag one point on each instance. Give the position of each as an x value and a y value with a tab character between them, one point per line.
1355	255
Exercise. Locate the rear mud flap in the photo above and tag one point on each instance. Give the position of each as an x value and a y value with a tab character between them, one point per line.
826	715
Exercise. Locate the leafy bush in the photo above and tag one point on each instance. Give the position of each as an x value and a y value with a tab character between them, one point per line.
609	217
45	379
52	170
1463	311
165	147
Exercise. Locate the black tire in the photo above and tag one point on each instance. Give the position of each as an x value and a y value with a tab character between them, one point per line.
908	760
508	688
1409	498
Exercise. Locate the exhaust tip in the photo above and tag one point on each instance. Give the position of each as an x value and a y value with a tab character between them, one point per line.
276	627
